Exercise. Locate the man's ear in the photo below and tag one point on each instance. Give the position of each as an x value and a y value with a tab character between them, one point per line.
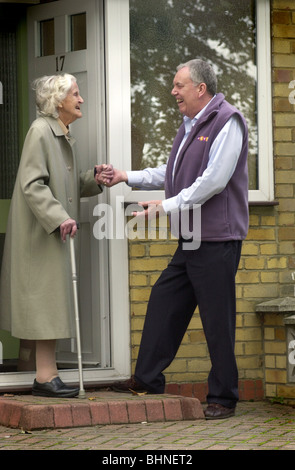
202	89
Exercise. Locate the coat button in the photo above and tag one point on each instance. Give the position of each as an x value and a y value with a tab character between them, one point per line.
70	199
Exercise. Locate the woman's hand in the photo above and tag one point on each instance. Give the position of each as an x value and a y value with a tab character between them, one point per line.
104	174
109	176
68	227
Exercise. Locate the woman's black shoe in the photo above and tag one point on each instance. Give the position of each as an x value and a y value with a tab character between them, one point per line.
56	388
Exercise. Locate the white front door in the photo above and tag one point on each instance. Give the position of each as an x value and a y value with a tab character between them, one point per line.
90	39
67	36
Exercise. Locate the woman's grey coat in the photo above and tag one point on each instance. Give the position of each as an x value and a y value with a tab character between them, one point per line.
36	284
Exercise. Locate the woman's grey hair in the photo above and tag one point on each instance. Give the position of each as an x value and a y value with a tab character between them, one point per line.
201	72
51	91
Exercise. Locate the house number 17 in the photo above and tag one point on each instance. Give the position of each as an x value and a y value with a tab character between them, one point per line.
59	62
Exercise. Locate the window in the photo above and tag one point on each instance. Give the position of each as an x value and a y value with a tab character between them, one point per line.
78	40
234	37
46	37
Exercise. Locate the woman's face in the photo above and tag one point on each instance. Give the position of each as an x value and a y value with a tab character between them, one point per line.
69	109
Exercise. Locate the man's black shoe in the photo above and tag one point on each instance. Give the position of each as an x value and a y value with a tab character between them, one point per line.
129	385
56	389
217	411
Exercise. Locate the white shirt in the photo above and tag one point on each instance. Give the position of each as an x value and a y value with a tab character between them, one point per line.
223	158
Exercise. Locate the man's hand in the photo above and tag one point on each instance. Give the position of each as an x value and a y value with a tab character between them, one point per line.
151	210
70	227
110	176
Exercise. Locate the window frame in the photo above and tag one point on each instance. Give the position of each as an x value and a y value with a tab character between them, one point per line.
265	191
119	102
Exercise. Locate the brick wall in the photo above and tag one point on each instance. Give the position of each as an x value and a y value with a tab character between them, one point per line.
281	262
268	253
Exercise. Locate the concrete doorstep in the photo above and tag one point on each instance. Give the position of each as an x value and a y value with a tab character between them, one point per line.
28	412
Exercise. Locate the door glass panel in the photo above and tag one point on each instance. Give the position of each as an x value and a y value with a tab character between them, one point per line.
46	37
164	34
78	39
9	151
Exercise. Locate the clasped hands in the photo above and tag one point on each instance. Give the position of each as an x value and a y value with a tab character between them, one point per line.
109	176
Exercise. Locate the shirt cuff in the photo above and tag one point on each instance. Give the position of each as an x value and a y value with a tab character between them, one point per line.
134	178
170	205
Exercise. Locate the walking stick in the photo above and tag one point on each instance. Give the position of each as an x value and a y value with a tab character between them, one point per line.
82	393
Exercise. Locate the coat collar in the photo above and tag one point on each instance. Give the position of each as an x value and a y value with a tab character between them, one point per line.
58	129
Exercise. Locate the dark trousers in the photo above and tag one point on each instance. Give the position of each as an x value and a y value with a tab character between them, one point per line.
203	277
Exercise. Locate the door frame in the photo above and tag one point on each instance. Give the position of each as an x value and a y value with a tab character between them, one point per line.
118	105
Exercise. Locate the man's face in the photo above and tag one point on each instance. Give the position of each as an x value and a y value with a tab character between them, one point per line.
186	93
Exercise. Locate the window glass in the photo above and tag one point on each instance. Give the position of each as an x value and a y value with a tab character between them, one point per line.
165	33
78	32
46	37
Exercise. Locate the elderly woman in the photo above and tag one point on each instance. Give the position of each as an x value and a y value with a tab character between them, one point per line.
36	288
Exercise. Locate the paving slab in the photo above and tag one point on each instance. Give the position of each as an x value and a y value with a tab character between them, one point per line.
259	426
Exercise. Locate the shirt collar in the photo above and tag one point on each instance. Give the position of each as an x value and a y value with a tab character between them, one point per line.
189	123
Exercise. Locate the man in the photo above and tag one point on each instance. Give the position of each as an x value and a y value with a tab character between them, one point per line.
207	166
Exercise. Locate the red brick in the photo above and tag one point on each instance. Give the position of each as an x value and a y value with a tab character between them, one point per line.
259	390
186	390
136	411
15	415
172	389
282	17
200	391
81	414
172	409
154	410
282	75
118	412
249	390
191	408
63	416
5	412
99	413
37	417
